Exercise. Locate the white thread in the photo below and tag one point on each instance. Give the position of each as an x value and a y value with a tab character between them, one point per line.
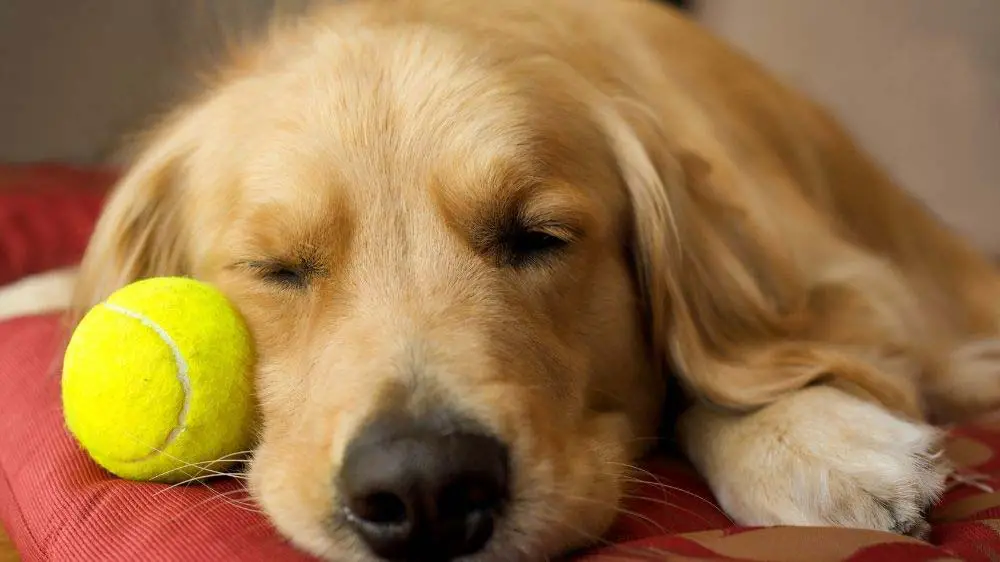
182	371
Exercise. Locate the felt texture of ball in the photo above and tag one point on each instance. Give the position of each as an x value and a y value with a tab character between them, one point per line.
157	381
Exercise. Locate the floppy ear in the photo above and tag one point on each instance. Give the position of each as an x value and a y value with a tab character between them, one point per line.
141	231
727	306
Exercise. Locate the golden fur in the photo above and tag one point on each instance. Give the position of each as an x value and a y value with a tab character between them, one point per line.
347	183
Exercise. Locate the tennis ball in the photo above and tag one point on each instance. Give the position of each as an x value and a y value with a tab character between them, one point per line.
157	382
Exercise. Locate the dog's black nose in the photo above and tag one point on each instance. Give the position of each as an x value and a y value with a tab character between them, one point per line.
415	492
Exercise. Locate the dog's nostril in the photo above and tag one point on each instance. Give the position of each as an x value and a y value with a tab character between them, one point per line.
380	508
412	493
466	497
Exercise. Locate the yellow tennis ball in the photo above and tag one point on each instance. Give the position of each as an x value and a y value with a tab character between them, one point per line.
157	381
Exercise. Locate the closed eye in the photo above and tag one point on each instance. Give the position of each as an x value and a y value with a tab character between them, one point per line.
282	274
534	243
521	245
286	276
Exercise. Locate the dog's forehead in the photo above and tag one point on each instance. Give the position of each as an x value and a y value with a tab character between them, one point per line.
398	130
386	118
359	128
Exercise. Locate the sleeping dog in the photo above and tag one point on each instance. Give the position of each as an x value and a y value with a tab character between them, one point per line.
472	241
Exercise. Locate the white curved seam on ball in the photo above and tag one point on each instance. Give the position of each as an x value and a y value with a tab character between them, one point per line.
181	364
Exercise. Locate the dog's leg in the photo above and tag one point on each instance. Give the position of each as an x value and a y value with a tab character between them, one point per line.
818	457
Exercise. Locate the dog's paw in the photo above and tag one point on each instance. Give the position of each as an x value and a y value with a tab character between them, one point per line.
44	292
820	457
890	486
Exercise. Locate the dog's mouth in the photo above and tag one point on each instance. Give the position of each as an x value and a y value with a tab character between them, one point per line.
414	490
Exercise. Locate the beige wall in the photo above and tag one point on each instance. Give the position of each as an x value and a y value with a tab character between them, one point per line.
918	81
76	74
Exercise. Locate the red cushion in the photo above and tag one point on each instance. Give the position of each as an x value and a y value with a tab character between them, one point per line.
58	505
46	214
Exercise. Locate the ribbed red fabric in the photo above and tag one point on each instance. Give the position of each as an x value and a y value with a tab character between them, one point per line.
47	212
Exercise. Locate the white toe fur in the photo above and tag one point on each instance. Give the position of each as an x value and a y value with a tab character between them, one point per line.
818	457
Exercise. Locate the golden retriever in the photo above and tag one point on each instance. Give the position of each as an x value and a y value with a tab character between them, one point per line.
473	239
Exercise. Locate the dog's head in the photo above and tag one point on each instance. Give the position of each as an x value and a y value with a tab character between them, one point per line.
463	276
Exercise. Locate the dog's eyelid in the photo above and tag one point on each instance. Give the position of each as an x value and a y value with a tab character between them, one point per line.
284	272
563	222
564	231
